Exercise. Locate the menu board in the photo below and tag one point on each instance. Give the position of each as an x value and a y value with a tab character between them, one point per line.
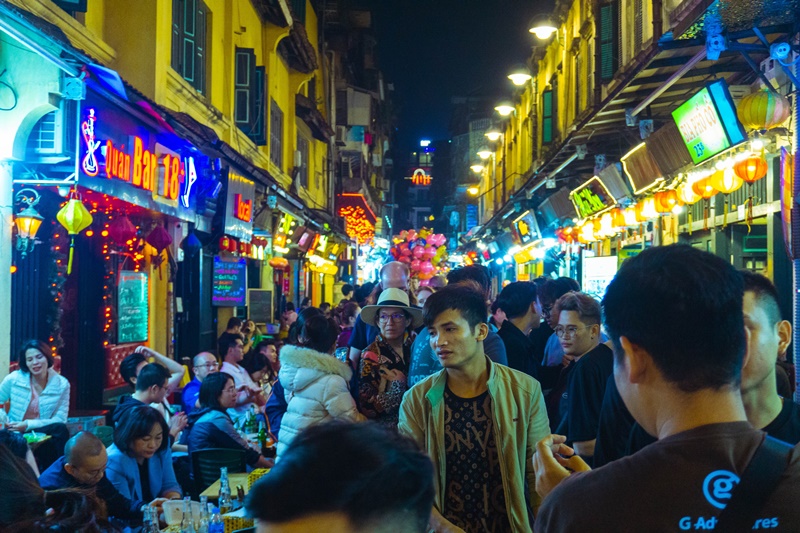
229	282
132	307
259	305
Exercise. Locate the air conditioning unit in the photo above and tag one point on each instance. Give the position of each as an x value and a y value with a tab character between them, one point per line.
739	91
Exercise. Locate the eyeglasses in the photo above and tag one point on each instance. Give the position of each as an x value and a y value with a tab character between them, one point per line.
569	331
229	389
396	317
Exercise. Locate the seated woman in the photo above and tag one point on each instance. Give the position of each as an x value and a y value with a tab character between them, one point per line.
262	362
39	400
383	368
212	427
140	461
316	383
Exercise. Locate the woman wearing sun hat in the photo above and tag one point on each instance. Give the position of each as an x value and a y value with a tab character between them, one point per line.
384	363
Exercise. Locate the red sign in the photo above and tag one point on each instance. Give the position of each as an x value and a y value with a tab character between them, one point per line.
244	208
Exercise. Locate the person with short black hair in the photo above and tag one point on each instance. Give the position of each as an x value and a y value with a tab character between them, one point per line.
494	413
338	477
518	302
325	307
39	399
15	442
231	351
211	425
305	303
151	388
83	466
675	316
130	367
316	383
347	291
140	460
574	403
423	359
234	326
262	363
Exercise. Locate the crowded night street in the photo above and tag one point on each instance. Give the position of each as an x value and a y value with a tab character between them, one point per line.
399	266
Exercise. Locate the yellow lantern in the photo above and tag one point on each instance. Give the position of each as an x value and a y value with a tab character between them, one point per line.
726	181
618	218
606	226
687	195
631	218
75	218
586	234
763	110
704	188
649	208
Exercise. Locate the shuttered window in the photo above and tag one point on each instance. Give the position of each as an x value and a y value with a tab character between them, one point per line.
547	116
302	170
609	40
275	134
189	38
250	91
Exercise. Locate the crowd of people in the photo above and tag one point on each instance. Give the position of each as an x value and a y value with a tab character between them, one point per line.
436	408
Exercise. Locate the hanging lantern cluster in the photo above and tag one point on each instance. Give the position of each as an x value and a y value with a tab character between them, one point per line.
763	110
255	249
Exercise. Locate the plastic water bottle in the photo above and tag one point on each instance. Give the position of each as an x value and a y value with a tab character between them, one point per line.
216	525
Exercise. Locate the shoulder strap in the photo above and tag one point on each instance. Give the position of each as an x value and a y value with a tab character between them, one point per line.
757	483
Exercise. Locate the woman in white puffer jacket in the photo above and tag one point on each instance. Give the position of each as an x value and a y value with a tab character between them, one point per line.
316	383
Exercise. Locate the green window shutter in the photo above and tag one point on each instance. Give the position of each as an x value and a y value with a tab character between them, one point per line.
177	35
200	42
547	117
259	132
609	41
244	89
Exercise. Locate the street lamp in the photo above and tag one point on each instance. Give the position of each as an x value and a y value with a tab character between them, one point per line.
504	108
520	76
542	27
476	168
473	191
27	221
485	153
493	134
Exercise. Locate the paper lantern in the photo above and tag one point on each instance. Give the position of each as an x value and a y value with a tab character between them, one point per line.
122	230
763	110
751	169
159	238
649	208
703	188
618	218
630	217
75	218
224	244
726	181
639	212
687	195
191	245
279	262
666	201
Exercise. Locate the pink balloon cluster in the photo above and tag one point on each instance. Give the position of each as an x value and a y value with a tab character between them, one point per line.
421	250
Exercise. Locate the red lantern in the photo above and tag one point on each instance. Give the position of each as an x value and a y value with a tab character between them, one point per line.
224	244
122	230
751	169
233	245
159	239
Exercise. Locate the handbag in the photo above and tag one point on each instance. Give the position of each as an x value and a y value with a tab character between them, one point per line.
758	482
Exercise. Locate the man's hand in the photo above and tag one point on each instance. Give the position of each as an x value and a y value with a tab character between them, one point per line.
158	503
551	462
144	350
177	423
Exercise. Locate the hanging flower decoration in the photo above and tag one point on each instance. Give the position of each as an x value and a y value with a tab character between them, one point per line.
159	239
75	218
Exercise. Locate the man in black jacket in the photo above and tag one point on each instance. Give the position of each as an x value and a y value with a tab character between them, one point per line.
83	466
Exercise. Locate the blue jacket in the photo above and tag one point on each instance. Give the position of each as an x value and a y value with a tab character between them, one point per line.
190	394
118	506
123	472
210	428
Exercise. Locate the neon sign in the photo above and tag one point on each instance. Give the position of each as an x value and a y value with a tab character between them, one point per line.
592	198
420	177
141	169
244	208
90	165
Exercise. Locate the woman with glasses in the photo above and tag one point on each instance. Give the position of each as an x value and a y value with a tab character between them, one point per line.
383	368
315	382
212	427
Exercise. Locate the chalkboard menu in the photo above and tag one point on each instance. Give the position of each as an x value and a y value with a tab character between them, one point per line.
259	305
229	282
132	307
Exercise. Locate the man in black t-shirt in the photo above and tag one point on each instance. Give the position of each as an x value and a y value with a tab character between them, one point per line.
578	331
518	301
678	373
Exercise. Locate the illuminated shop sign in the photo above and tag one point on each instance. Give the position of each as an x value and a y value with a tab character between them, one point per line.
591	198
115	161
420	177
239	207
525	229
708	122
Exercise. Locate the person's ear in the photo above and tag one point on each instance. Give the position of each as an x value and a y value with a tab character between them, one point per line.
747	352
636	361
70	469
594	329
481	331
785	336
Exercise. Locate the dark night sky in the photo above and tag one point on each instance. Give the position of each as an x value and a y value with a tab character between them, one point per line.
435	49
